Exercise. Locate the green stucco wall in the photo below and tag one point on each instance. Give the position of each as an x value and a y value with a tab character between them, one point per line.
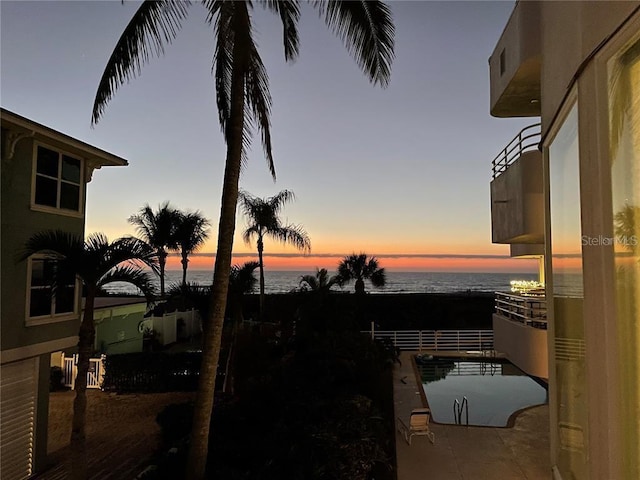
118	332
18	223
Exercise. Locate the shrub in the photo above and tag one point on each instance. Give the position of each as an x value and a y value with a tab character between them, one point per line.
55	379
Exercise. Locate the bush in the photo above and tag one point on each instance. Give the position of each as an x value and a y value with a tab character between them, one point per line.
148	372
55	379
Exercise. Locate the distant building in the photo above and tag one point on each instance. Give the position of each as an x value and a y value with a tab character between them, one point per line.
576	65
44	179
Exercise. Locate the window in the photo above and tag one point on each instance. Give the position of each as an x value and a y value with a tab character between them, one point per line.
57	180
503	62
624	141
42	304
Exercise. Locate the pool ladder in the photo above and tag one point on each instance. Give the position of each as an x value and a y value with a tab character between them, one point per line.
458	408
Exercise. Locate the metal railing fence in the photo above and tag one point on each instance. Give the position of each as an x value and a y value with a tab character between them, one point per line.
529	310
444	340
527	139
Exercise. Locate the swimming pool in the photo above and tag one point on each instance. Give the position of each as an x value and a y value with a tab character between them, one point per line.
495	390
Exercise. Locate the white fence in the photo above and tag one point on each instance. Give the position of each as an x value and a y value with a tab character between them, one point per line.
95	375
449	340
174	326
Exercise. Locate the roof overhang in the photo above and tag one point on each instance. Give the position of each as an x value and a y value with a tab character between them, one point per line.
21	127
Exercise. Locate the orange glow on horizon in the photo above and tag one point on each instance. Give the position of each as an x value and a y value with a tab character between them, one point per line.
397	263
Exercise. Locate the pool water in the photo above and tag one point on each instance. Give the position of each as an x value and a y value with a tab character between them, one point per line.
494	390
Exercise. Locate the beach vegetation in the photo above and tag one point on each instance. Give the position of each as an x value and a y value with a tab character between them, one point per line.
95	262
244	104
320	282
361	267
190	233
157	228
263	220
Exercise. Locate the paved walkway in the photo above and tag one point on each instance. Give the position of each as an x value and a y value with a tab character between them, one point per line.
122	433
470	453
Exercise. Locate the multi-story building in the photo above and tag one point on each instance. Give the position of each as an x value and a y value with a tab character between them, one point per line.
576	65
44	179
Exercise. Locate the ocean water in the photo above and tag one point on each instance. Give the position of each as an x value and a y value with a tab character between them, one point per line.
397	282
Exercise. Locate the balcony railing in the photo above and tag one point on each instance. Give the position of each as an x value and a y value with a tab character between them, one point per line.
527	139
529	310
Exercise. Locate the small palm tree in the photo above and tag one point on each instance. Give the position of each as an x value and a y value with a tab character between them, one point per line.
157	229
263	221
241	282
190	233
95	262
361	267
320	282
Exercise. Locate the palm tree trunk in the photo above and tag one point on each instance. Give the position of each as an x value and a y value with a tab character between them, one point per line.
185	264
260	250
212	336
162	260
86	337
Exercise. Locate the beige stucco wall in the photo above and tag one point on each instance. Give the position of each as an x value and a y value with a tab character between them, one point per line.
578	28
526	347
517	202
511	92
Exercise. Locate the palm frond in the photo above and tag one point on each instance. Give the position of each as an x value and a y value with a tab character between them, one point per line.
289	12
367	31
378	278
53	244
293	235
259	102
156	228
277	202
242	279
154	24
133	250
130	274
191	231
220	13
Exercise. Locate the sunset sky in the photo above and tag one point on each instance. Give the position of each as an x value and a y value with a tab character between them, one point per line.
401	173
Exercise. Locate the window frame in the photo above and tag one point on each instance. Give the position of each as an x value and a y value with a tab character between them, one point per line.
59	181
52	317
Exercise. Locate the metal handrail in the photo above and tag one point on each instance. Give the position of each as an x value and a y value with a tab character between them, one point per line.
530	310
527	139
452	340
458	408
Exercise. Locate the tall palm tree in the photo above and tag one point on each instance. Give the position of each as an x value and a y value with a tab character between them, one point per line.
157	229
320	282
361	267
244	101
264	221
191	231
95	262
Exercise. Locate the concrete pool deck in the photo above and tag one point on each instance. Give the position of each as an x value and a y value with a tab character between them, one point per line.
469	453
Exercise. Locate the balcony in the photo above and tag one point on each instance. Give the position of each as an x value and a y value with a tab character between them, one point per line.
530	310
517	200
520	331
515	65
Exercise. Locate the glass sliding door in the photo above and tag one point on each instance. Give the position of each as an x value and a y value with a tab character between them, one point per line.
624	141
567	290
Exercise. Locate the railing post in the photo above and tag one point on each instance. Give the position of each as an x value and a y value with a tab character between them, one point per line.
373	333
419	340
395	338
458	333
435	338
